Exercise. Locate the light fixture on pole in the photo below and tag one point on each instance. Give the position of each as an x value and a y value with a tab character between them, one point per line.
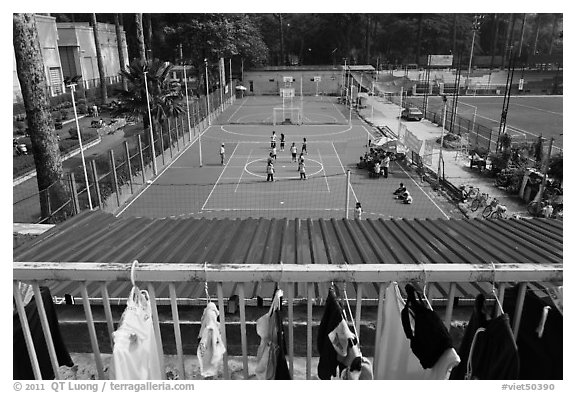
475	28
207	94
72	87
187	102
154	167
442	135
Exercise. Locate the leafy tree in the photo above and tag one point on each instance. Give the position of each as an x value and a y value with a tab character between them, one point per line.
101	71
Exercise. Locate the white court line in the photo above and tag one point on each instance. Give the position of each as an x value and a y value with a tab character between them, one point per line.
240	178
321	163
272	209
538	109
424	192
336	109
240	106
217	180
514	128
344	170
164	170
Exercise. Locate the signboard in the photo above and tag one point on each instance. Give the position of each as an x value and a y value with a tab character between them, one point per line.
440	60
317	78
427	152
412	143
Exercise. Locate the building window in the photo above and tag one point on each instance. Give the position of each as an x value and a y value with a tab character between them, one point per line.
56	80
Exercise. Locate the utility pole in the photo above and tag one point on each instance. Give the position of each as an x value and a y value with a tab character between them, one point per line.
475	27
442	136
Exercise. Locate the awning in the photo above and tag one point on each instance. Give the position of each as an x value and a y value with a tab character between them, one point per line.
101	237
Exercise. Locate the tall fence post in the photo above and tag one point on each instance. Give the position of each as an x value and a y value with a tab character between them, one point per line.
347	193
489	140
170	138
114	176
177	136
140	152
129	166
96	184
76	204
162	143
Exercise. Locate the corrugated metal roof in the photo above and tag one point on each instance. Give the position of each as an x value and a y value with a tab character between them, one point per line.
97	236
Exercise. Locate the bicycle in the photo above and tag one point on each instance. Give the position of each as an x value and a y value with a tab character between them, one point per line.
480	200
469	191
494	210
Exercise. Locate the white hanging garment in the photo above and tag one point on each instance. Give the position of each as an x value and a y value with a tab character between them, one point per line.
135	355
211	349
394	358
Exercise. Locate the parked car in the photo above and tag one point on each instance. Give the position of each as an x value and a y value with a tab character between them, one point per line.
412	113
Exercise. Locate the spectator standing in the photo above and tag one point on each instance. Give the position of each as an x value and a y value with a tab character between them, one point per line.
294	151
270	172
273	153
273	140
377	169
282	141
304	149
358	211
386	165
95	111
222	154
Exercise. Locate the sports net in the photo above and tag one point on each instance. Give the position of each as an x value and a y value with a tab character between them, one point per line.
287	116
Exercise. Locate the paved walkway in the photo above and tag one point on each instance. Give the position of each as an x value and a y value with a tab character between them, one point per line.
457	169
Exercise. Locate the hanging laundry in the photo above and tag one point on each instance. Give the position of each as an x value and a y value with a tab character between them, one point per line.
338	346
135	354
394	358
211	349
488	347
271	356
539	357
21	364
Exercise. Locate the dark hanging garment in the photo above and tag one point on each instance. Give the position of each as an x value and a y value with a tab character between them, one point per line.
540	357
22	366
477	320
282	371
428	336
493	354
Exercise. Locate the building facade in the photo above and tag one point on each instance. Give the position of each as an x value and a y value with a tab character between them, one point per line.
48	37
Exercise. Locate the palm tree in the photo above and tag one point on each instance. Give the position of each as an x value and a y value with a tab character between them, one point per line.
103	91
30	70
140	37
164	98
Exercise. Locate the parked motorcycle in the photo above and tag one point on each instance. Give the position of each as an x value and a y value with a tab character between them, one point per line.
19	148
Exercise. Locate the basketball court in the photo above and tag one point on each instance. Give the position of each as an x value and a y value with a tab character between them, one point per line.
238	188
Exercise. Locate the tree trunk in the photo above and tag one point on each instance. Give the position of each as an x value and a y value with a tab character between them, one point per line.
103	91
454	32
494	39
30	70
507	43
419	39
140	38
120	42
554	22
149	36
535	50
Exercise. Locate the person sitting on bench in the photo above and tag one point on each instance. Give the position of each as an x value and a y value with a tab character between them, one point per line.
376	172
400	189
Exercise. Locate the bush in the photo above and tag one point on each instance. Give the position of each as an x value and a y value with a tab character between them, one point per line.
57	117
63	114
82	108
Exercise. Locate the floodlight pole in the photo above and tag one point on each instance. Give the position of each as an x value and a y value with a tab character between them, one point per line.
230	80
400	115
154	168
442	135
207	92
187	103
72	87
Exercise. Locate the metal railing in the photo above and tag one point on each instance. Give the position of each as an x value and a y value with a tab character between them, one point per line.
363	279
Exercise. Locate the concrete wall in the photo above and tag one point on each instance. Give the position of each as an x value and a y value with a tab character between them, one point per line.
48	37
268	82
78	39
